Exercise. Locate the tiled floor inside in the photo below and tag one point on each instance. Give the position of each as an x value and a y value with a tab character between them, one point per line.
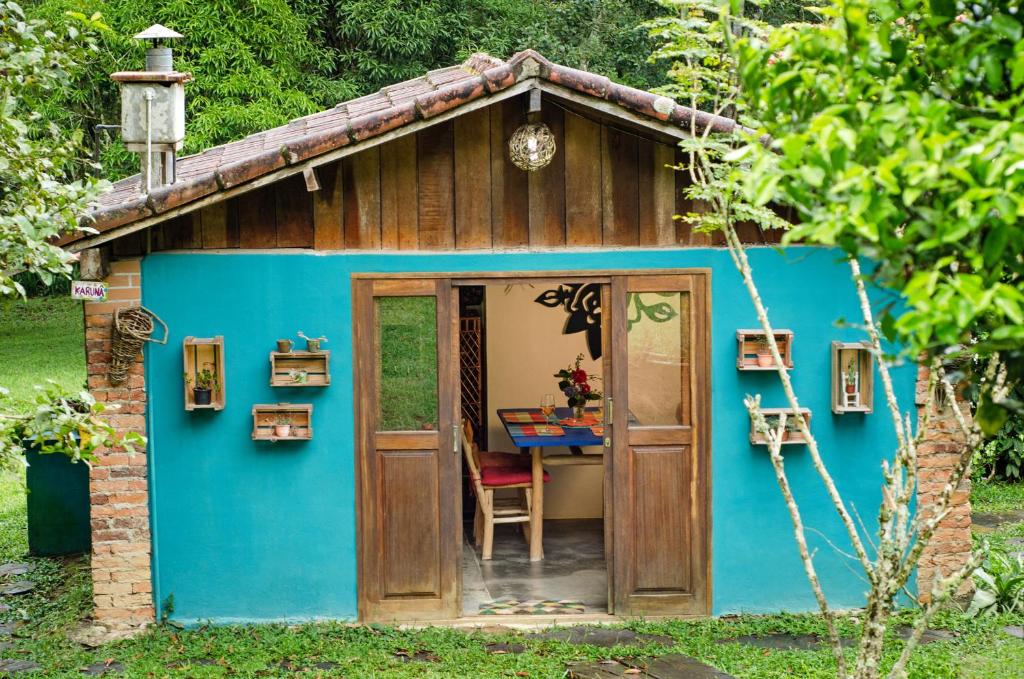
573	567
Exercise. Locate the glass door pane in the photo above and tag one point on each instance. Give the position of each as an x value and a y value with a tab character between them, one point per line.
406	363
658	351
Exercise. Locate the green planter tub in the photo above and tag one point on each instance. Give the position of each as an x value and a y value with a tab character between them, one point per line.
58	505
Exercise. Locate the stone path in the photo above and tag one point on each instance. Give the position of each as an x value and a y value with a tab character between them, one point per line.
601	636
675	666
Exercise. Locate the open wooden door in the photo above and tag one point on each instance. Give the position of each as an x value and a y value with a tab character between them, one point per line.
660	475
407	458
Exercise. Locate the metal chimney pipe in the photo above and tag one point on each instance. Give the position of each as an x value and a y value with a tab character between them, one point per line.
160	59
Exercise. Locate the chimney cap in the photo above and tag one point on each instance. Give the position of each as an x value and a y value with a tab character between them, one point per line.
158	32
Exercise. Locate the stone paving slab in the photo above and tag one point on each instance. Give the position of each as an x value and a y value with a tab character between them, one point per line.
1014	631
674	666
13	569
986	523
18	587
601	636
98	669
11	666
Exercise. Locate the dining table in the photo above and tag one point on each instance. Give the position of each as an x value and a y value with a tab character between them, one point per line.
531	432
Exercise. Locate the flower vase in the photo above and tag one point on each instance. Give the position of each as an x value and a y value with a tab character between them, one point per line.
577	412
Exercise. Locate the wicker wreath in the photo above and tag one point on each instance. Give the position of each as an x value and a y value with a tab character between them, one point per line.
532	146
132	328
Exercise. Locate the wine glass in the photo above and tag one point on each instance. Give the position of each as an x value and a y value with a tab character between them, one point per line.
547	406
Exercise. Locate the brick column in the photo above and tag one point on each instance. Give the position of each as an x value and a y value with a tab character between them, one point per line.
122	584
950	546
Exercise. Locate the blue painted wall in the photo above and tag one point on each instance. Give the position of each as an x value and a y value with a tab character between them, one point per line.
247	531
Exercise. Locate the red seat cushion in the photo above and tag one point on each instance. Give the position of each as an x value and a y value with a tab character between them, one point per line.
493	459
508	476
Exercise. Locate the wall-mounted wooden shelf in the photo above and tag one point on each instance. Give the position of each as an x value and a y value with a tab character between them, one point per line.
298	416
750	343
853	378
204	353
300	369
792	435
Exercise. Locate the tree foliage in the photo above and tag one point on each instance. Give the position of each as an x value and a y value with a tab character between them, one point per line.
38	200
897	132
259	63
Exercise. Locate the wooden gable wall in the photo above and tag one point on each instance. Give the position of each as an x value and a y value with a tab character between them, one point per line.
452	187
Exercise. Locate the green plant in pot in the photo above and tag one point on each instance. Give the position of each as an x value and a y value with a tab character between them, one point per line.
203	385
298	376
59	423
312	343
282	425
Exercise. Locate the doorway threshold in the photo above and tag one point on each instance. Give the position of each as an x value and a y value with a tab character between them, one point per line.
519	622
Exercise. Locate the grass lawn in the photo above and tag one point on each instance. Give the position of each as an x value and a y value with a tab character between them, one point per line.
42	338
997	496
39	339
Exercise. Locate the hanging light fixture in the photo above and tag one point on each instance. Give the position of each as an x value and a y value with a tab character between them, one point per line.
532	146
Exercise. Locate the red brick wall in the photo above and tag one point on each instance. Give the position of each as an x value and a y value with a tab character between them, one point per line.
950	546
122	584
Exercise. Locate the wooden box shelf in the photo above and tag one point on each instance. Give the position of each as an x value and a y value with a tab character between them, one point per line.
750	343
853	378
298	417
792	435
204	353
300	369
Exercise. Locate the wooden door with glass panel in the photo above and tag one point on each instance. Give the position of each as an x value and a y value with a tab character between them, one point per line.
407	458
660	474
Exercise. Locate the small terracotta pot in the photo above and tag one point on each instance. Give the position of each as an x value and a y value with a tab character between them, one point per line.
284	346
850	389
282	431
765	360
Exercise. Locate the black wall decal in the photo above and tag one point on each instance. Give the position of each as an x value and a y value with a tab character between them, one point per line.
582	302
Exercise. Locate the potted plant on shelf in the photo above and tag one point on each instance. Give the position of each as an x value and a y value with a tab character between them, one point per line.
575	384
282	426
205	383
284	346
764	353
312	343
299	376
851	376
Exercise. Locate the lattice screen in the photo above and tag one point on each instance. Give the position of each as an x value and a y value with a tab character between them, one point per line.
471	373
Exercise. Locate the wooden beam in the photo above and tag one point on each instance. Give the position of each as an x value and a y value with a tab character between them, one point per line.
94	264
312	182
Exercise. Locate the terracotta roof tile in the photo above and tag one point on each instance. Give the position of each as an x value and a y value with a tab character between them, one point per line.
392	107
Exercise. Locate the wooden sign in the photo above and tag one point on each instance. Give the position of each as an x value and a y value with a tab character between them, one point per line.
93	291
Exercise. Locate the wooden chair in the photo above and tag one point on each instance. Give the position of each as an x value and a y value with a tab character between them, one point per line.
499	470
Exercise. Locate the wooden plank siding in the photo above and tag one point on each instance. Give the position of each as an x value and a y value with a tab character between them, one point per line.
452	186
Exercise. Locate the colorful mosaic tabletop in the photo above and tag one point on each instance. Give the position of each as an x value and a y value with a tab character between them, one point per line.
542	607
535	430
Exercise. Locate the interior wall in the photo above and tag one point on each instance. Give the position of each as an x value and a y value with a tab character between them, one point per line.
525	347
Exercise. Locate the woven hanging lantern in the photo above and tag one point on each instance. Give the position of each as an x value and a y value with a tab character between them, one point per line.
531	147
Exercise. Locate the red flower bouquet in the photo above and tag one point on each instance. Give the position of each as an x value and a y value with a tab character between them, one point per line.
575	384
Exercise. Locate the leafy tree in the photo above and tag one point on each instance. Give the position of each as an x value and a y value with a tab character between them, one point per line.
895	129
898	131
38	201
